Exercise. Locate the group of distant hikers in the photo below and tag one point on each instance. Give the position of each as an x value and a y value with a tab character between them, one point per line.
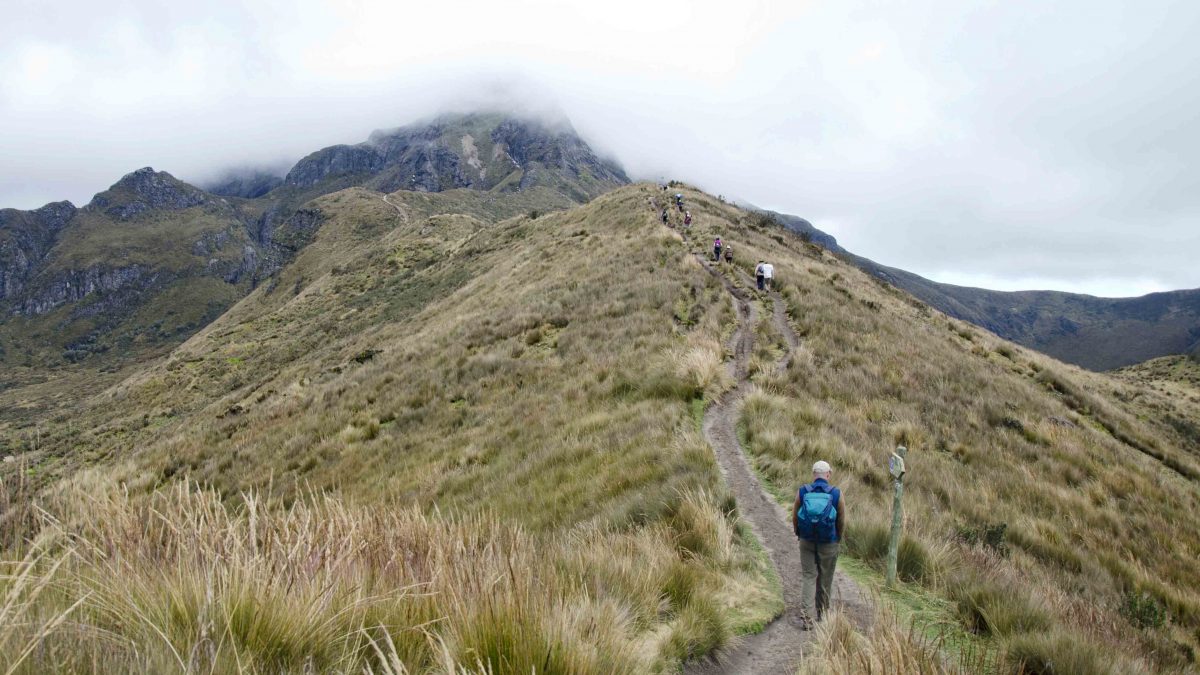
687	215
819	513
764	272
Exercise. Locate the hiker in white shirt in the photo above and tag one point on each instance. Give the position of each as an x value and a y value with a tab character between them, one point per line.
768	272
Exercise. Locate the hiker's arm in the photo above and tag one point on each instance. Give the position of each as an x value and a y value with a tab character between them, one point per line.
841	517
795	510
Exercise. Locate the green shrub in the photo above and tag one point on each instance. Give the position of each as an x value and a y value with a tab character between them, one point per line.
680	583
989	535
1144	610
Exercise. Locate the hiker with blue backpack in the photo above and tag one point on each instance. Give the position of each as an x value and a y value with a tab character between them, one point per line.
819	520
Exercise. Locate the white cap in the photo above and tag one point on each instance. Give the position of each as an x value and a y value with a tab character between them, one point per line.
821	467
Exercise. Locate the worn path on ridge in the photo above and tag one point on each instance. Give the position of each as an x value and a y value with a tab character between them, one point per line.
780	646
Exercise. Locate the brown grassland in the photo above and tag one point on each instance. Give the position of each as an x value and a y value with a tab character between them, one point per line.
463	437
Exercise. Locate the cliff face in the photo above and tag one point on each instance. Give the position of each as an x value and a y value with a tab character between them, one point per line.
141	266
25	238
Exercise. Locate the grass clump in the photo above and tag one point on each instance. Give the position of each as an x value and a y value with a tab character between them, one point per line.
869	543
1055	653
887	647
996	609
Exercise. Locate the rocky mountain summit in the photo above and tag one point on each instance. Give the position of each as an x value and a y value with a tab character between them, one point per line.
144	264
478	151
145	190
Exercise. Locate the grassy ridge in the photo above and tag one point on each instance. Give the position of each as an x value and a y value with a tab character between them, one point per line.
1043	500
523	390
527	387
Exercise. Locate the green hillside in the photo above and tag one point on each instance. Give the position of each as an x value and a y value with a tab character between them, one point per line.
1096	333
450	434
124	279
88	295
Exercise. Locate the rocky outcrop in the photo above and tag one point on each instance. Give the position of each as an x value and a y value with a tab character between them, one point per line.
443	155
25	239
338	160
528	143
145	190
75	285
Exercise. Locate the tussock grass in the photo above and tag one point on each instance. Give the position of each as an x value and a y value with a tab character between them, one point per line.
888	647
540	377
470	446
1068	479
1052	653
182	581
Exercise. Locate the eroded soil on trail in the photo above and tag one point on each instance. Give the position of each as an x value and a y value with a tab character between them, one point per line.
780	647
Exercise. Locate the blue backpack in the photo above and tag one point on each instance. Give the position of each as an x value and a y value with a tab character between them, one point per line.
816	519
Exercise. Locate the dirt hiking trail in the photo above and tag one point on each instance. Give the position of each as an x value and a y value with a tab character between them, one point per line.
400	210
779	648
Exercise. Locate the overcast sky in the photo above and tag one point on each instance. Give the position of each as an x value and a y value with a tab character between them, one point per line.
1004	144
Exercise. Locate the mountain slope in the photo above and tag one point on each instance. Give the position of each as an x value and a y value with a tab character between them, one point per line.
445	361
133	273
85	293
433	351
1096	333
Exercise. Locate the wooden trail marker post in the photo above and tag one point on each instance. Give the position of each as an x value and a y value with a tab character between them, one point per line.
896	468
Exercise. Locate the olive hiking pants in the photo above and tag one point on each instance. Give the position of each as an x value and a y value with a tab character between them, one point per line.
817	565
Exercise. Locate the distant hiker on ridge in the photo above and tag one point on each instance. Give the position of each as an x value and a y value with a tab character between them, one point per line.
758	274
818	519
717	249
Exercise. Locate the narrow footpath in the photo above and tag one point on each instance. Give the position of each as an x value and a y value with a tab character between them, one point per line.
399	209
780	646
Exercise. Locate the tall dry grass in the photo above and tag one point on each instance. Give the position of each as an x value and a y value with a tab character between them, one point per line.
1042	500
182	582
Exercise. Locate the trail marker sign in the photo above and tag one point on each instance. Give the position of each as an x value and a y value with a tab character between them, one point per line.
896	467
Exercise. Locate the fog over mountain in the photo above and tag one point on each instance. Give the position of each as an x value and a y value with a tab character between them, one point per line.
1003	146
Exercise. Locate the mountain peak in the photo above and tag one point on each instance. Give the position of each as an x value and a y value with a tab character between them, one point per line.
147	189
479	150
